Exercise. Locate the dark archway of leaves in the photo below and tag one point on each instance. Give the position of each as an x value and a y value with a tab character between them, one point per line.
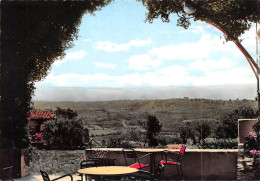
33	35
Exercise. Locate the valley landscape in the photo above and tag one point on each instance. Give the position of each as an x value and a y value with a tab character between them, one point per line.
115	119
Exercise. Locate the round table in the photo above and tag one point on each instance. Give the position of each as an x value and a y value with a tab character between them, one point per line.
108	170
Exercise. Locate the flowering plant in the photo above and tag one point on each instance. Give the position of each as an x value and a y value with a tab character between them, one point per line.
252	142
37	136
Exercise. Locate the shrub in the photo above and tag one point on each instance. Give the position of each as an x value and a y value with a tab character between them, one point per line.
65	113
220	144
228	128
131	134
252	142
63	133
162	141
196	131
118	143
175	140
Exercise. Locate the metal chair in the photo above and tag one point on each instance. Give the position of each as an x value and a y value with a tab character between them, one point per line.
46	177
143	175
129	153
89	163
177	162
6	173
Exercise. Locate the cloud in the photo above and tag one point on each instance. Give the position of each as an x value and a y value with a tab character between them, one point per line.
209	65
70	56
249	40
105	65
233	76
206	47
168	76
114	47
143	62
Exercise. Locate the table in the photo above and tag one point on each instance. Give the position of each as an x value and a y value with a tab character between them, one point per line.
108	171
152	155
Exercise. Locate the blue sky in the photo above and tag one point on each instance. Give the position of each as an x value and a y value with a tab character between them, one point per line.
116	48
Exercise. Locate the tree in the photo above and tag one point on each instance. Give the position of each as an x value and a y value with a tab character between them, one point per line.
229	125
204	131
196	131
153	128
63	133
65	113
33	35
231	17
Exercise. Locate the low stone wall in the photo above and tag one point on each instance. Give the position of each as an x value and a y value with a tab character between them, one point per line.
55	161
206	164
197	164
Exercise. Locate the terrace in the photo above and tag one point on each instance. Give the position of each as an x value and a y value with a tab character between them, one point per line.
198	164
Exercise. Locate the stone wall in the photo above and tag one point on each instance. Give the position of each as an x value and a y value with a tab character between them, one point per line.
205	164
197	164
55	161
244	127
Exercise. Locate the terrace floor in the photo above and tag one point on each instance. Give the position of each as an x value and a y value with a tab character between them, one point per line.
245	169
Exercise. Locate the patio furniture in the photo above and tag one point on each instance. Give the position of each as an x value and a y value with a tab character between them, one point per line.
101	155
46	177
152	153
129	153
178	160
6	173
89	163
149	176
111	172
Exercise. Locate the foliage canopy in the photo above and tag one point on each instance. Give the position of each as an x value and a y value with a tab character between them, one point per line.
235	16
33	35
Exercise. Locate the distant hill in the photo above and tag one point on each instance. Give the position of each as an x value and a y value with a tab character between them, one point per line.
114	117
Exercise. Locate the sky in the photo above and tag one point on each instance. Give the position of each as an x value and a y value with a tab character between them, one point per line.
118	50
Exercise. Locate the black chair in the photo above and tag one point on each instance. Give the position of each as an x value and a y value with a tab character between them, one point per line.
129	153
149	176
6	173
46	177
89	163
177	162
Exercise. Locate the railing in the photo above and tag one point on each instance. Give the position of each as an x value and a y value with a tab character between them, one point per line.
91	143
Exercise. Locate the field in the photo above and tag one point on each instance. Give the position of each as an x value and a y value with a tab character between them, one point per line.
114	119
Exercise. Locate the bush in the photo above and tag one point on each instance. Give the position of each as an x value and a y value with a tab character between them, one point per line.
132	134
176	140
252	142
220	144
63	134
118	143
197	131
228	128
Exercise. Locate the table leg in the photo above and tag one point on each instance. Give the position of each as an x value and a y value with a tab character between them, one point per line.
152	163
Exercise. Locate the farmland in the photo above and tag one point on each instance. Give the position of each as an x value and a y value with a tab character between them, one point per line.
114	119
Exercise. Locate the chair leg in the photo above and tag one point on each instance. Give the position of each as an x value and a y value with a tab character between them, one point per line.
181	172
178	170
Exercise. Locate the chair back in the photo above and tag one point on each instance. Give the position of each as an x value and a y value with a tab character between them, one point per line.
158	172
90	163
129	153
45	176
181	154
98	154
